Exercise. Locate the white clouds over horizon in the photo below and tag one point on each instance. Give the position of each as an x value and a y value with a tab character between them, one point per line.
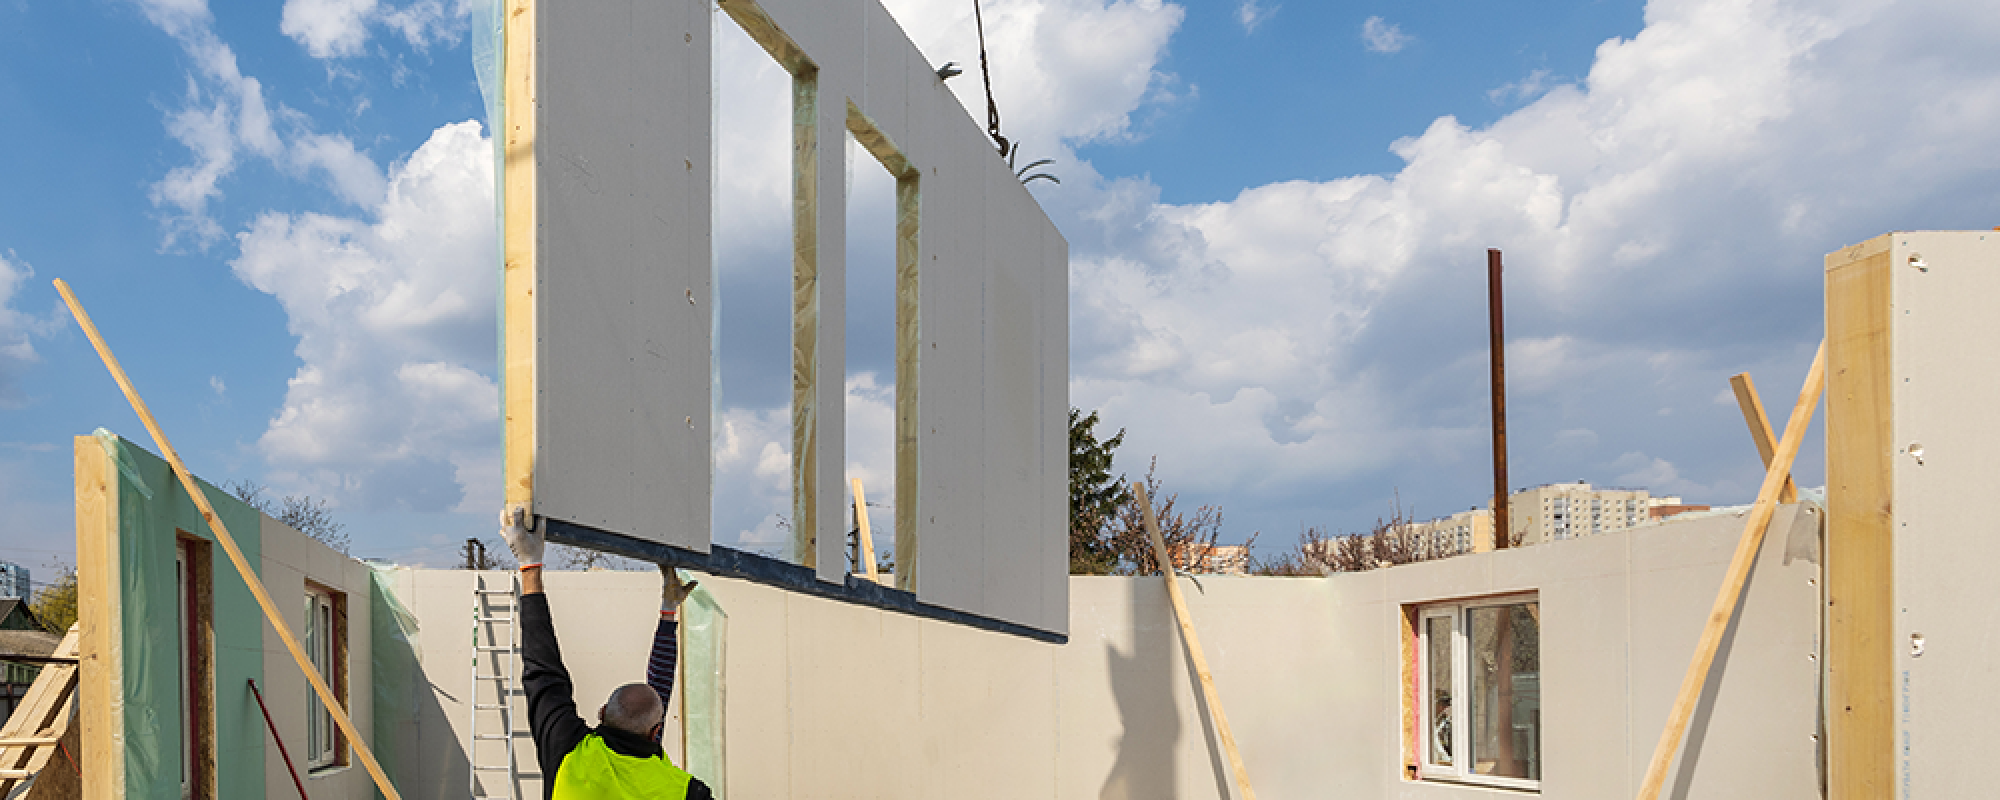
1662	223
1662	220
394	406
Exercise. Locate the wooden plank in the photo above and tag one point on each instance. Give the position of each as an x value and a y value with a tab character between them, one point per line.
100	666
1406	623
861	532
43	714
1860	590
1193	641
1732	582
1760	429
228	543
40	757
805	317
518	240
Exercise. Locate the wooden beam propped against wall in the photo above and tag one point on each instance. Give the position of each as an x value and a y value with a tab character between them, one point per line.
1760	429
1726	600
334	707
1193	643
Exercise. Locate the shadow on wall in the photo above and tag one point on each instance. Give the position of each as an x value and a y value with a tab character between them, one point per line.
406	706
1142	684
1704	709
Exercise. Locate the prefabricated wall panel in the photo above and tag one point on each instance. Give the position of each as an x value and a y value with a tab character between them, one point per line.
1923	301
831	699
131	512
621	301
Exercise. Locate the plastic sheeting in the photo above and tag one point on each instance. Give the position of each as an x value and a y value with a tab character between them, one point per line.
396	658
704	631
153	513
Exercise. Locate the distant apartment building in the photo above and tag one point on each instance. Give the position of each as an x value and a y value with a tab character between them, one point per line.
1227	559
1560	511
14	581
1464	532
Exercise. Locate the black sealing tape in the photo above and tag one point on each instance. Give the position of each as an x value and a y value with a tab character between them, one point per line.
729	562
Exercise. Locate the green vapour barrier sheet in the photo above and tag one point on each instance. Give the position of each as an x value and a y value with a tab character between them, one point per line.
397	664
153	510
704	628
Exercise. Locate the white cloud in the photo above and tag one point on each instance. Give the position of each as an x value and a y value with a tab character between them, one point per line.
19	329
394	406
327	28
1384	37
1251	14
1063	70
1305	346
225	115
1537	83
339	28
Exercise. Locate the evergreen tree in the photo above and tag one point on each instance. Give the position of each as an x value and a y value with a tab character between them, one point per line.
1094	496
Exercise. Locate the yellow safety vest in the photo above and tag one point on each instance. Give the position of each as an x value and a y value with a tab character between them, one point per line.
594	772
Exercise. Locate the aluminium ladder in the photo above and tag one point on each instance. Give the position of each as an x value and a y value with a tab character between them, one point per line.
505	662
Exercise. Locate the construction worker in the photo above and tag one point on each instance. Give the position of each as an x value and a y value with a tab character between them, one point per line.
621	757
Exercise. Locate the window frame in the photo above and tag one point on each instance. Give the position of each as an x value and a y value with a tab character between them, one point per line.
325	635
1458	614
194	636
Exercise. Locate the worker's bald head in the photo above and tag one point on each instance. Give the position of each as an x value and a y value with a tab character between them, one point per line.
633	708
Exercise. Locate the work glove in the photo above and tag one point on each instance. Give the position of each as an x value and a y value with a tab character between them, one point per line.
672	590
517	528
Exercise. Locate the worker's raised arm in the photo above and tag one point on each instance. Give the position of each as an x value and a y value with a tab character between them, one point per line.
666	638
552	716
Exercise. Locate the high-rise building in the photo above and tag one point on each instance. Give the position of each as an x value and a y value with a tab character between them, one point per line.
1560	511
1464	532
14	581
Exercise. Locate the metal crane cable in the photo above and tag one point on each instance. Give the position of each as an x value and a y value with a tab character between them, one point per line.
986	77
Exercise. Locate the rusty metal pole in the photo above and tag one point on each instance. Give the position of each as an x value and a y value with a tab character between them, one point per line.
1502	532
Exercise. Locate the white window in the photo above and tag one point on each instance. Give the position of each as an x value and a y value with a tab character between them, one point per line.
1479	691
325	645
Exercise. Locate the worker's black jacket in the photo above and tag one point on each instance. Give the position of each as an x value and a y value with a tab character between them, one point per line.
552	705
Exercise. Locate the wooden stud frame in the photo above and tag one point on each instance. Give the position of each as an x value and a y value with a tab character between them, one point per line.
909	336
101	665
1860	590
598	370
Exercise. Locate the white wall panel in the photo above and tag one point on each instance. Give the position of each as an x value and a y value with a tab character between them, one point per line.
623	388
1944	377
623	266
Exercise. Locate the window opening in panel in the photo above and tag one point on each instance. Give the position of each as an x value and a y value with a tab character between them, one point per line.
758	103
884	344
326	647
1479	692
194	645
871	348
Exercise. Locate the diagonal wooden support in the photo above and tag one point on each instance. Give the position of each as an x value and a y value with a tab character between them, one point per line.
326	696
861	531
1731	593
1193	643
1760	429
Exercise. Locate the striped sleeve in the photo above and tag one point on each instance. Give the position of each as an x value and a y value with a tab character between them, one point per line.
666	654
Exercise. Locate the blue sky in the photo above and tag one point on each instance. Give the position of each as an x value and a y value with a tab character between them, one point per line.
280	215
